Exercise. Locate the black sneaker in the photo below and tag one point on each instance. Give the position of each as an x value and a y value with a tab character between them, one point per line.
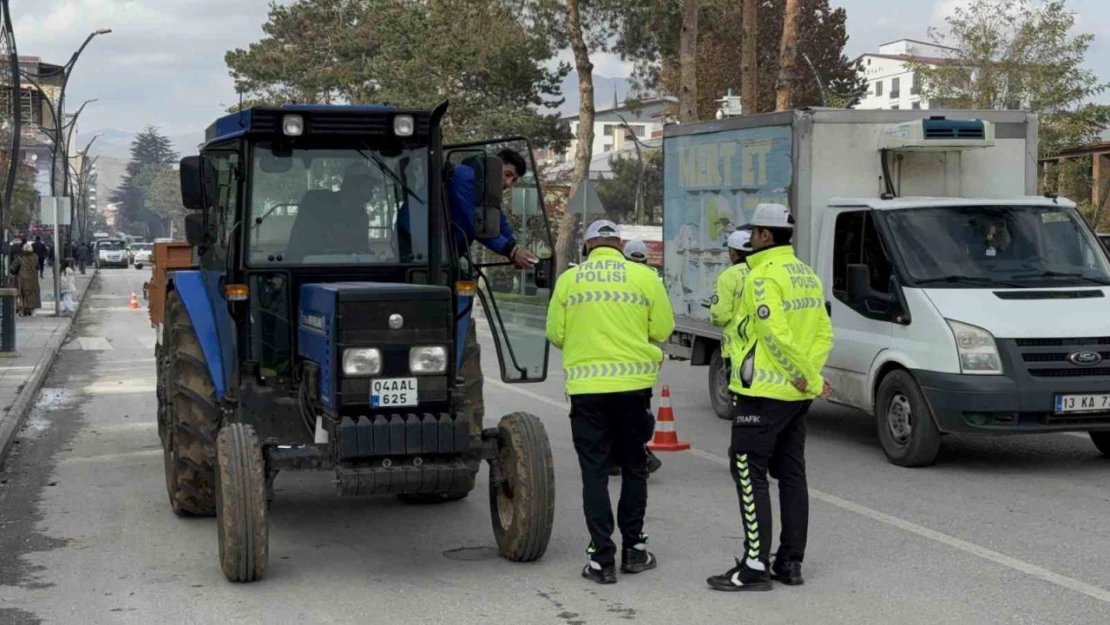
637	559
788	572
653	463
615	469
600	574
740	578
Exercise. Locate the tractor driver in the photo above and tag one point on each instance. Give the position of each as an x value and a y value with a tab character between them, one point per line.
462	194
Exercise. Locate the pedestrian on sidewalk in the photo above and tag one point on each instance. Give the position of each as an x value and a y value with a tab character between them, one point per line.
69	288
778	353
26	267
611	365
84	254
41	253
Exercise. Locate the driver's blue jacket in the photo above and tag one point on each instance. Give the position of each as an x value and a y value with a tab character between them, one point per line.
461	197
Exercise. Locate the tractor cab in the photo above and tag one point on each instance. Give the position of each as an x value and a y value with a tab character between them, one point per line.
328	320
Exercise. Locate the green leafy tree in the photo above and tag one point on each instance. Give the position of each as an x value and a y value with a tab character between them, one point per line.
648	35
150	152
618	191
1017	54
483	56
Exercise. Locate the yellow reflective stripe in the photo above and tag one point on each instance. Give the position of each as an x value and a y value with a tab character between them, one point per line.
780	357
800	303
611	370
613	297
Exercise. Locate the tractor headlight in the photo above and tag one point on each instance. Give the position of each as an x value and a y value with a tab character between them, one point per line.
403	125
429	359
292	125
360	361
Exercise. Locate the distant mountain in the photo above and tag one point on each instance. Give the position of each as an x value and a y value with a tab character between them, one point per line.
117	143
604	88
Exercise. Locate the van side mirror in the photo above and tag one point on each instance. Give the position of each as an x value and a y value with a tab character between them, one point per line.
860	292
198	183
487	209
196	231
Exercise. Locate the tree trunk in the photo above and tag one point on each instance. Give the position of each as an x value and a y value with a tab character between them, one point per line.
749	78
788	55
565	239
688	63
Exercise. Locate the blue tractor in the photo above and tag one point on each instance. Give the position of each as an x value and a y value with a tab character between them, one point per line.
324	323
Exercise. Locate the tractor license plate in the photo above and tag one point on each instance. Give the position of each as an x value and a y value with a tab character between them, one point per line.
393	392
1096	402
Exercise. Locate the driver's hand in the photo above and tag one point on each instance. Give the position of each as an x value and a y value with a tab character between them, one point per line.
523	258
827	390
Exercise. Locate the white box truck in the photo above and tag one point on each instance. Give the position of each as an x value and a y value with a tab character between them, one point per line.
961	302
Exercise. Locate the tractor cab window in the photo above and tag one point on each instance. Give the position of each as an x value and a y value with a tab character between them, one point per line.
338	207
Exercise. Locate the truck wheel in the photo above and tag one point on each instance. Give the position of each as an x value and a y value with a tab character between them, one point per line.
522	488
192	417
241	504
907	432
719	394
1102	441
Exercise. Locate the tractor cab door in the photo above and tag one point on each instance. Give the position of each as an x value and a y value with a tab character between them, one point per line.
512	301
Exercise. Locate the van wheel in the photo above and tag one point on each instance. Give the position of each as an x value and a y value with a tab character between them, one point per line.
1102	441
719	394
907	432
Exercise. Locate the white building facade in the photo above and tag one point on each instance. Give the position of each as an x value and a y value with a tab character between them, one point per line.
610	134
891	85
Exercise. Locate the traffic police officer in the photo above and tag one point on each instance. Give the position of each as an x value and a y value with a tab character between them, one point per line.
724	310
637	251
604	315
782	344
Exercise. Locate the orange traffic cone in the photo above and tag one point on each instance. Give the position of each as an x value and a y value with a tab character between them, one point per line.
666	438
134	305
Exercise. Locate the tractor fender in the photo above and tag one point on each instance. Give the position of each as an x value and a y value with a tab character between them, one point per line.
191	288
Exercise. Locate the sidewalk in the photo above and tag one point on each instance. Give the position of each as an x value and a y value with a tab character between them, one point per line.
38	341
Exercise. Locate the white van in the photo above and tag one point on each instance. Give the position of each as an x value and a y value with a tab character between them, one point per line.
960	301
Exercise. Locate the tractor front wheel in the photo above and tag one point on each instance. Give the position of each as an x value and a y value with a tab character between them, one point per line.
241	510
522	488
191	417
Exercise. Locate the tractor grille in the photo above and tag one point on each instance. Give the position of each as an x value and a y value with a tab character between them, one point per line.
425	321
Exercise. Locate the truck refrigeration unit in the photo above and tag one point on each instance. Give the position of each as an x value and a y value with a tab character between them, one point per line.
961	301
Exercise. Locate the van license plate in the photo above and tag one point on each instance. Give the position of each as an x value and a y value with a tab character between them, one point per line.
393	392
1093	402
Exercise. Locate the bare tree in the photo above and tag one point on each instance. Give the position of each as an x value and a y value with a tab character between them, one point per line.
585	135
788	55
688	63
749	78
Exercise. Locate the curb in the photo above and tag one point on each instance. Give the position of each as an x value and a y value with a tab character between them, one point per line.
12	421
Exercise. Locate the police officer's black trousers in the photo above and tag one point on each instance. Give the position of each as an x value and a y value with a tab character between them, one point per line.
611	428
770	434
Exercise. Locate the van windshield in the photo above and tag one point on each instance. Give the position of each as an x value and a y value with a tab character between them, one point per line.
338	206
111	246
997	246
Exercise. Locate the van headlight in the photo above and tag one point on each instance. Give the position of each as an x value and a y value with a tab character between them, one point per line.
976	348
428	359
362	361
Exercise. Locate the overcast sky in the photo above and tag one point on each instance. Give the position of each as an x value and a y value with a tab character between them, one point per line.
163	62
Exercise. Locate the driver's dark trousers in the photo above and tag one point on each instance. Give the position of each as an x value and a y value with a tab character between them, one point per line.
612	428
770	435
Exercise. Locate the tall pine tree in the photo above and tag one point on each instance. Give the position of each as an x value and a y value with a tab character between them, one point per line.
149	150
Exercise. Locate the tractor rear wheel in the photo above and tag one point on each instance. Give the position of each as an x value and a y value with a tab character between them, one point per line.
192	418
522	488
241	510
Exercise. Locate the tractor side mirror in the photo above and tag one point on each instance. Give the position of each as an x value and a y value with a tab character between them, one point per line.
196	231
198	183
487	211
543	273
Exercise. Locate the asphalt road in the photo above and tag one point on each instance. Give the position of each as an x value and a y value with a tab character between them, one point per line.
1008	530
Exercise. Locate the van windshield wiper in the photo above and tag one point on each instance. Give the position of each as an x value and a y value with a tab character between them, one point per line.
1062	274
955	278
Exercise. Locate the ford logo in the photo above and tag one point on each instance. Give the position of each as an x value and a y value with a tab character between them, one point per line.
1085	359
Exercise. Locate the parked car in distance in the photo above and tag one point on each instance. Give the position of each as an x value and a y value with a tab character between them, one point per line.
141	253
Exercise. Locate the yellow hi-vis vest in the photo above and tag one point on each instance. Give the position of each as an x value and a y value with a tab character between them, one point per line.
725	310
604	315
785	333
